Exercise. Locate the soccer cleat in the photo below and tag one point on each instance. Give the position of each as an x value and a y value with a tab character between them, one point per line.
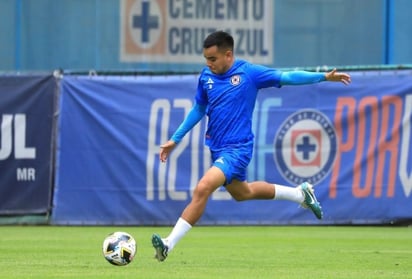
160	248
310	200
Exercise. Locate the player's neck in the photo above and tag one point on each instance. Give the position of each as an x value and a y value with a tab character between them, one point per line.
229	66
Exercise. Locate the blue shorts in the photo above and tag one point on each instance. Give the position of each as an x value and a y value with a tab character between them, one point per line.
233	161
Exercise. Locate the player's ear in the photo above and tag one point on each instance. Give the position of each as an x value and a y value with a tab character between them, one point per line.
229	53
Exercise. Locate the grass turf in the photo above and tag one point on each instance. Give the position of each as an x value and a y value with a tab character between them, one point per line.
212	252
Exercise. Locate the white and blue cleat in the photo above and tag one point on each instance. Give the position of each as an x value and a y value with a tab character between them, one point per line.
310	200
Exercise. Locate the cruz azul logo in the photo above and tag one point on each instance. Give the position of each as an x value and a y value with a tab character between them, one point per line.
142	29
305	147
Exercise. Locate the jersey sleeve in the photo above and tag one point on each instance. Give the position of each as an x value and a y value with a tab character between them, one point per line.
201	95
301	77
264	77
194	116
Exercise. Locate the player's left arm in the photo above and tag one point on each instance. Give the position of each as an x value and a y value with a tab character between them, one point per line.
194	116
305	77
334	75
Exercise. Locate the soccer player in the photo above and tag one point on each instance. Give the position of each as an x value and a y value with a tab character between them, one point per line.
226	93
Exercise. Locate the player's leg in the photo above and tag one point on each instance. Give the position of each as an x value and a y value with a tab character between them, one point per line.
211	180
241	191
303	194
234	164
235	167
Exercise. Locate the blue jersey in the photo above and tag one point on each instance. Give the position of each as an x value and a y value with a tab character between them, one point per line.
230	99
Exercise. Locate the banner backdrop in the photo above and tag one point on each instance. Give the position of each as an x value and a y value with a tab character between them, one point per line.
26	117
352	142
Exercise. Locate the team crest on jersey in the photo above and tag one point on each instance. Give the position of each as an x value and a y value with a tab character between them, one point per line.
305	147
235	80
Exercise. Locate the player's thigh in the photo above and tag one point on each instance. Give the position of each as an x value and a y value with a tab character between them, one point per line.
211	180
239	190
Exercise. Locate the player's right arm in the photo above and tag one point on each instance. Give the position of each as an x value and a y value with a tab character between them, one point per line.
304	77
193	117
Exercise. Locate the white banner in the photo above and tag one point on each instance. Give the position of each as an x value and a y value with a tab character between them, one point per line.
172	31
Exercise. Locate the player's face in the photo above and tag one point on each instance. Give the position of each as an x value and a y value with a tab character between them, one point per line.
218	61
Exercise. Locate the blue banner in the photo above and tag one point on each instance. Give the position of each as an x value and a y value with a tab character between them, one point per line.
26	163
352	142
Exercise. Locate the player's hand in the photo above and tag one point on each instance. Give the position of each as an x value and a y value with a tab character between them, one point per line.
337	76
165	150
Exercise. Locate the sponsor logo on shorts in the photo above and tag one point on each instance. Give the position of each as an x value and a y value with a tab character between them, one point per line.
220	160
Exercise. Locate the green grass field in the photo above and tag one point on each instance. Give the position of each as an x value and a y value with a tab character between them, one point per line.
212	252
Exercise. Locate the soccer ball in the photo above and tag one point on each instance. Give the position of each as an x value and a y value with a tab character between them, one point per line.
119	248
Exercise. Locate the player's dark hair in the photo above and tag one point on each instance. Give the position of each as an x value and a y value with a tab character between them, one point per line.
220	39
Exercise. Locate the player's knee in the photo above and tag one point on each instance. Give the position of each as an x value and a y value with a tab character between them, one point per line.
202	191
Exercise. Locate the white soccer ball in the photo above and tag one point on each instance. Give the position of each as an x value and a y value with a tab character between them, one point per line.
119	248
